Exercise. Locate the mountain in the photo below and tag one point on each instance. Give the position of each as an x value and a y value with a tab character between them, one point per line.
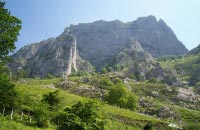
99	44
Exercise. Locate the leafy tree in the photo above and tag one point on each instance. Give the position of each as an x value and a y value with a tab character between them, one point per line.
104	70
116	93
9	30
120	96
7	92
67	121
47	108
132	101
105	83
41	114
53	99
81	116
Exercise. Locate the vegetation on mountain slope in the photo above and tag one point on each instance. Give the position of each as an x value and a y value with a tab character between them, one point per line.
133	91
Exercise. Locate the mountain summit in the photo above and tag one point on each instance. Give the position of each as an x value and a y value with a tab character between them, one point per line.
97	43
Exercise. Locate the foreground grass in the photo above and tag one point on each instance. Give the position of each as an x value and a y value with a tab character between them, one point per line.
6	124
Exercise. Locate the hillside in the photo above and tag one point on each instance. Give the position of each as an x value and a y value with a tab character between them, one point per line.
34	89
185	67
157	103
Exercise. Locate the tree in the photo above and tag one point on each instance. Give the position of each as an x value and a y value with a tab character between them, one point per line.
81	116
9	30
53	99
7	92
42	115
116	93
105	83
132	101
120	96
104	70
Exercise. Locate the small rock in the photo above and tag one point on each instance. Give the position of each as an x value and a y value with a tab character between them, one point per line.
166	112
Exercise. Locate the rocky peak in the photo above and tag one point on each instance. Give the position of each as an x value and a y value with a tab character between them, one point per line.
156	37
146	20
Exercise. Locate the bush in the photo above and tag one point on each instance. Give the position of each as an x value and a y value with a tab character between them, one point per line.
104	70
49	76
81	116
120	96
8	94
79	73
53	99
192	126
41	114
153	80
132	100
105	82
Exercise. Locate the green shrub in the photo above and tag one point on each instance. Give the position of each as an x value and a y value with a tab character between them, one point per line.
119	95
153	80
79	73
50	76
105	83
104	70
8	94
192	126
53	99
81	116
41	115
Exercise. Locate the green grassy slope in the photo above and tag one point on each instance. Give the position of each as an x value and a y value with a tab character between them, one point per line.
117	118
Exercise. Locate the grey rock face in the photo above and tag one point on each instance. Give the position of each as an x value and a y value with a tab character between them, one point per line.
97	43
156	37
186	95
100	40
54	56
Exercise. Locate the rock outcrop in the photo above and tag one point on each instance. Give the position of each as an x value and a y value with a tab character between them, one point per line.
58	57
166	112
72	58
186	95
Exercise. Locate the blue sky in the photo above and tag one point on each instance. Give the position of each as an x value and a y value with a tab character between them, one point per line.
47	18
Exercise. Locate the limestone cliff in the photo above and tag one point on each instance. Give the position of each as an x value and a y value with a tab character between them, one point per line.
72	58
57	56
